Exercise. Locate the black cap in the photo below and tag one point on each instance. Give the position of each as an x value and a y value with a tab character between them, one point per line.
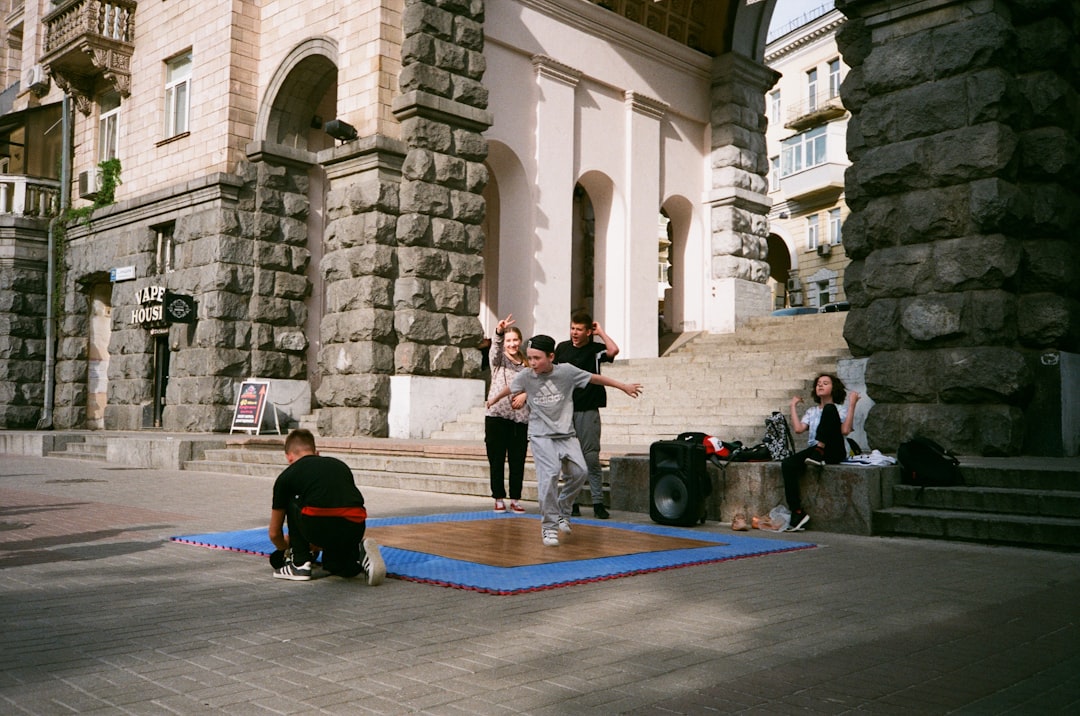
542	343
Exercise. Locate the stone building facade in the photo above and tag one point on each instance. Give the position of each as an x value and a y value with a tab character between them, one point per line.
964	214
349	193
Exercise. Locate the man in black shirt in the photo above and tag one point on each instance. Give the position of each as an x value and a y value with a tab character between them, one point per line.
585	353
323	506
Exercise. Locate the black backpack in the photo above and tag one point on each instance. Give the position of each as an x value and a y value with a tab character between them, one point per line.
924	463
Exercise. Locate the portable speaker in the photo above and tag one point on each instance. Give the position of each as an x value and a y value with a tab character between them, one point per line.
678	482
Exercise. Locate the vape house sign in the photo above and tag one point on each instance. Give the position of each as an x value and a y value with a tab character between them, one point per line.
158	307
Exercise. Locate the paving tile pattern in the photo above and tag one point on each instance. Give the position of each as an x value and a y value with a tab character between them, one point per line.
101	614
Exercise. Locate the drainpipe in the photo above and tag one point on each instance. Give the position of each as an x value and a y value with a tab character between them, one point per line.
46	422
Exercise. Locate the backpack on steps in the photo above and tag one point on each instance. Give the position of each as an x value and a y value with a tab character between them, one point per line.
924	463
778	436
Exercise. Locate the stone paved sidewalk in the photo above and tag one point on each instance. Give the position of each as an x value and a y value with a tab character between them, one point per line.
101	614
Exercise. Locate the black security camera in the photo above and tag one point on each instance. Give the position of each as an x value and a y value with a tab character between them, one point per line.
342	131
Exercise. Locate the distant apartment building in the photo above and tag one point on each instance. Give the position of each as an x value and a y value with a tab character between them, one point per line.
806	140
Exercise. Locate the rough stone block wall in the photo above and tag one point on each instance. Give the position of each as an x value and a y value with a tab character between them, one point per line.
245	265
437	290
739	161
22	346
402	258
358	267
965	205
90	250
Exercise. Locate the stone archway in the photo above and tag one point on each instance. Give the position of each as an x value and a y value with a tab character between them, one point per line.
780	271
300	98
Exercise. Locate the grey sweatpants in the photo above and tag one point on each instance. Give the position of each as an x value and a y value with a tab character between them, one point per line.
587	427
552	456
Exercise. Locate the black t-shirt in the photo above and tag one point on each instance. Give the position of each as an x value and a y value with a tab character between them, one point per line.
588	358
317	481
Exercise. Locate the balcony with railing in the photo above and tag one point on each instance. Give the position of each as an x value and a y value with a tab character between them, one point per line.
820	108
87	39
22	195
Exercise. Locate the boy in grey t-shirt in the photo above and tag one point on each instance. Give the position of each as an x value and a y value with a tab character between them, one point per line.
549	390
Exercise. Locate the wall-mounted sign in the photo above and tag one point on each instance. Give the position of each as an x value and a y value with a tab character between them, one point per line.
122	273
179	308
158	308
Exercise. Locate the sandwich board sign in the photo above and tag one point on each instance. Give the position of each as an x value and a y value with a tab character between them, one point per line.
251	402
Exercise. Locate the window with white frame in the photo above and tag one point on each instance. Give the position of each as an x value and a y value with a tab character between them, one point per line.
108	126
774	173
834	78
774	107
812	232
803	151
834	226
177	94
811	90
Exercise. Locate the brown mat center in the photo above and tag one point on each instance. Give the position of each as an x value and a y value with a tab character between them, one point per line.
515	542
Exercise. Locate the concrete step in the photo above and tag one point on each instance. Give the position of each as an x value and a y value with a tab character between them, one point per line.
90	450
379	461
1034	502
458	476
1045	503
1022	530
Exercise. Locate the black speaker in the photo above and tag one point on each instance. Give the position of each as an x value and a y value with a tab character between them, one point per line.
678	482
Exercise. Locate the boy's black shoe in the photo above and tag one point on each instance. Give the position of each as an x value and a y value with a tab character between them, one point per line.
575	511
600	511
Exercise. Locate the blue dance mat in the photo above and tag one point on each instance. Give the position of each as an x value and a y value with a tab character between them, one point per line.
557	567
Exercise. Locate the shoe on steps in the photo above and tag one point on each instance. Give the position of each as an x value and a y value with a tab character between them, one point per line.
575	511
516	508
500	506
372	562
798	523
600	511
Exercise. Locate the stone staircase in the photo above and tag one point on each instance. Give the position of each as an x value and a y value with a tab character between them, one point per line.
723	385
1031	502
429	466
92	448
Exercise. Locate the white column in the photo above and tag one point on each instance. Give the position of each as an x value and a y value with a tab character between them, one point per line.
634	264
555	138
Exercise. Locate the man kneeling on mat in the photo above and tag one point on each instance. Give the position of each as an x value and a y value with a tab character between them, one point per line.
323	506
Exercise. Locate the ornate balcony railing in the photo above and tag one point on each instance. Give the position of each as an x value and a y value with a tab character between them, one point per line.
29	196
85	39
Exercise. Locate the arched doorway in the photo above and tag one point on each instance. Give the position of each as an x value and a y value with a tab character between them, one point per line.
302	98
782	280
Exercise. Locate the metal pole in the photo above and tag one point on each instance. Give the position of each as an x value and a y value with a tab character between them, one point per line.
46	422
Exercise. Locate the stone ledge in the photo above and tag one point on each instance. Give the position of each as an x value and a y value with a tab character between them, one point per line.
839	498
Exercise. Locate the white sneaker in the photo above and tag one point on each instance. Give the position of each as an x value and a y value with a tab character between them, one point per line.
551	538
372	563
798	522
564	526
